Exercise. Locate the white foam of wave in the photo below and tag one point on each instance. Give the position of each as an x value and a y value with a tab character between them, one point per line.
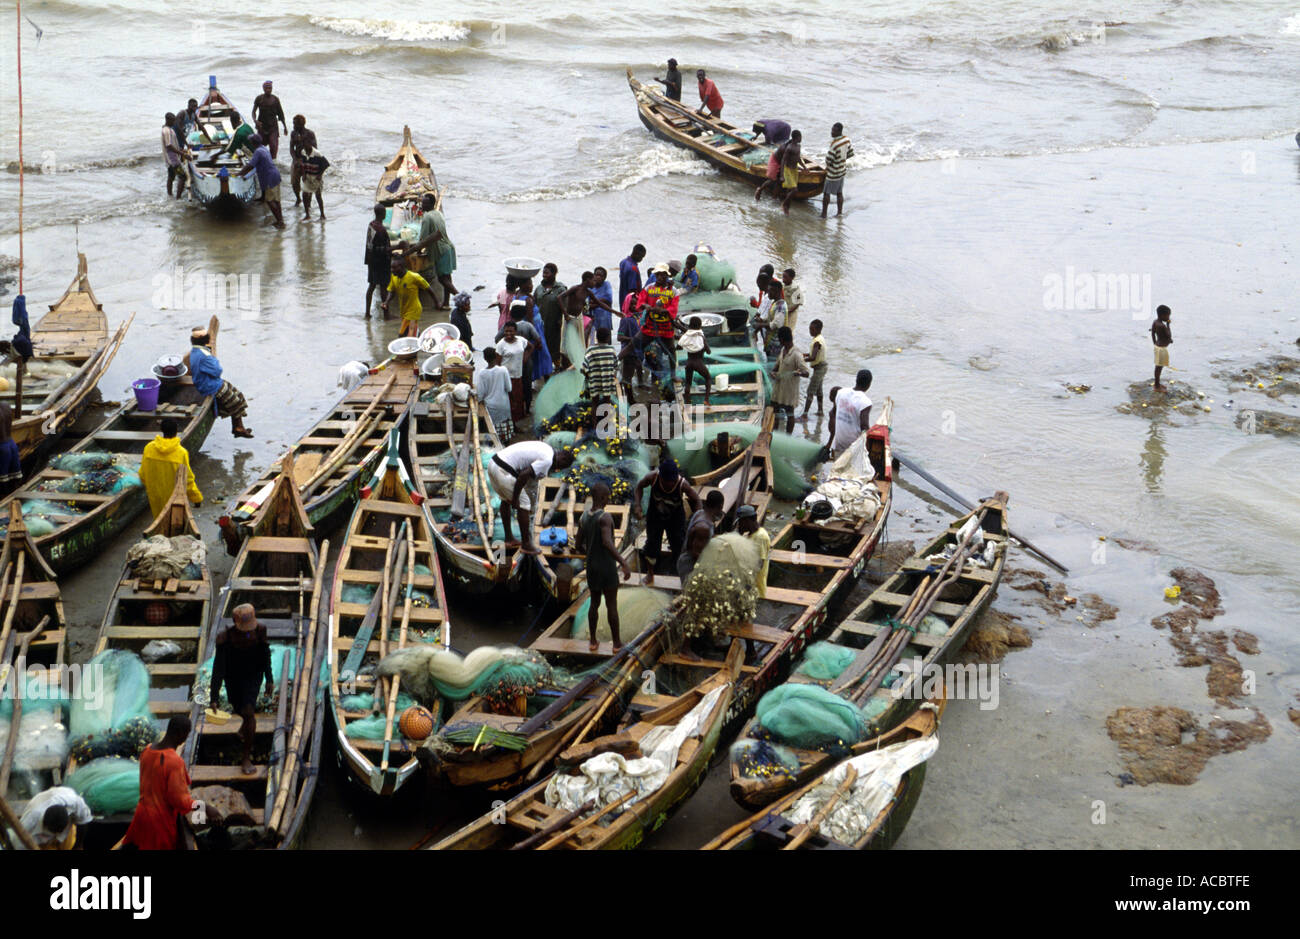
402	30
1292	26
625	172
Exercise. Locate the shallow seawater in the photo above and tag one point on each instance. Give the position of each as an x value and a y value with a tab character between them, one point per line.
1029	185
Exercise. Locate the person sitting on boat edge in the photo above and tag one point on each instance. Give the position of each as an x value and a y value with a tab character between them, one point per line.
710	98
850	413
268	177
161	458
241	661
164	793
773	131
205	372
603	563
672	82
514	472
52	817
688	281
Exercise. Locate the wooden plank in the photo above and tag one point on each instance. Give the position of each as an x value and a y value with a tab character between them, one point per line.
220	774
795	597
153	632
760	633
809	560
941	608
352	576
172	668
390	508
675	659
277	545
127	435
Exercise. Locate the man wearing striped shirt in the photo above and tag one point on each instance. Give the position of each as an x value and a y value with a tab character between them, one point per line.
600	368
837	158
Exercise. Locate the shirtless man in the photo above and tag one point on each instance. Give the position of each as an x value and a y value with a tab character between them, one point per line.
1162	336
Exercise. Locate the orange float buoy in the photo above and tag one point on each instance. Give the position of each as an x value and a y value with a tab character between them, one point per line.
416	723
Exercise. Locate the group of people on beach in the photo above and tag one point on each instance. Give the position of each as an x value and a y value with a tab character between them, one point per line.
261	141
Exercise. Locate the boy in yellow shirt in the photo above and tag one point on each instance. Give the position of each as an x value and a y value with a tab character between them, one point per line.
406	286
747	525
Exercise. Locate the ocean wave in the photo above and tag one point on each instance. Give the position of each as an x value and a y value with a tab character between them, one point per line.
399	30
661	160
1292	26
54	167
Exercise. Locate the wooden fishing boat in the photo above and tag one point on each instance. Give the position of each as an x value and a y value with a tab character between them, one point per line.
281	574
963	593
407	179
215	176
554	719
723	145
745	399
388	542
81	524
335	458
534	819
770	829
473	558
33	642
73	335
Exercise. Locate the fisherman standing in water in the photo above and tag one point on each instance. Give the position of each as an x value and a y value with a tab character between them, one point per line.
1162	335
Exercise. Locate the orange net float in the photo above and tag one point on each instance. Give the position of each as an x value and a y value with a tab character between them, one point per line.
416	723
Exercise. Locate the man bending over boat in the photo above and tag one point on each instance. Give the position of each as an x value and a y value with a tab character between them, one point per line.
205	371
709	96
850	413
596	538
437	247
268	177
514	472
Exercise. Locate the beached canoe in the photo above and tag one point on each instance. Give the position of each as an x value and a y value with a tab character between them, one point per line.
71	351
387	594
773	829
668	748
724	145
90	493
472	556
873	681
552	719
281	573
407	177
215	180
33	642
335	458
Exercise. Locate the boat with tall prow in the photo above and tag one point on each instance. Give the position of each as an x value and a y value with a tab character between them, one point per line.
215	180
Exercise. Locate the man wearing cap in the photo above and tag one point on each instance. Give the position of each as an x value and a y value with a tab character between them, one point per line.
266	111
658	301
162	458
268	177
205	371
710	98
747	525
672	82
242	660
666	515
513	473
850	413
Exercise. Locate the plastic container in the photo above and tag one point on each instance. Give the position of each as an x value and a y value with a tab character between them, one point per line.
146	393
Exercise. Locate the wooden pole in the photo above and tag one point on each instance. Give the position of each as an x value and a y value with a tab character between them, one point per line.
554	826
585	823
809	829
16	718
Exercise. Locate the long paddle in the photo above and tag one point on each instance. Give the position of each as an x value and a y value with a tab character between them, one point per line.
970	508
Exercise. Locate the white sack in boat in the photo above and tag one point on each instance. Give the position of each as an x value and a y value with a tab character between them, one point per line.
878	775
353	374
608	777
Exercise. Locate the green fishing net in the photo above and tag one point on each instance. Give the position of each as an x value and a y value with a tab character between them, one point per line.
637	608
562	388
572	344
720	591
109	785
811	718
825	661
364	593
110	716
714	274
44	516
793	458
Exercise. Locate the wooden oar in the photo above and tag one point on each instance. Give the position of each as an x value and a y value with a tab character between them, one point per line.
13	601
915	468
553	826
14	822
811	827
585	823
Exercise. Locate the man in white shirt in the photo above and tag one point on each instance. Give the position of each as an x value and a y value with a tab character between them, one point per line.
492	385
850	413
513	473
52	817
174	155
793	297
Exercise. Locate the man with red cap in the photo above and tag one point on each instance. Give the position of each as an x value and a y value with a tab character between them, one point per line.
266	111
242	660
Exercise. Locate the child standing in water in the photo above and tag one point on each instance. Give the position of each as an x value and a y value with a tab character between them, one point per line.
1162	336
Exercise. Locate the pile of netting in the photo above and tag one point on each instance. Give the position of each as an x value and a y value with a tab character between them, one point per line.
720	591
103	473
36	370
559	404
162	558
373	727
637	608
825	661
498	674
110	716
714	274
809	717
762	759
618	462
110	784
199	693
44	516
42	739
793	458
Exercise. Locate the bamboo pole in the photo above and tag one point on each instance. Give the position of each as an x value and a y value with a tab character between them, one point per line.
16	718
553	826
365	421
564	836
480	477
394	683
811	828
14	822
13	601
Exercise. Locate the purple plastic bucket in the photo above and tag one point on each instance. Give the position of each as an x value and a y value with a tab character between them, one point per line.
146	393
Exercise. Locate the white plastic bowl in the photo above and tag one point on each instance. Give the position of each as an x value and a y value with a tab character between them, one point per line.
432	337
404	346
523	267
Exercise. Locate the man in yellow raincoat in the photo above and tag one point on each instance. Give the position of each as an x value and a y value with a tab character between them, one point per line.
158	468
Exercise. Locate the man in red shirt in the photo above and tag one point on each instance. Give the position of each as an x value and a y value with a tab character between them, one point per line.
709	95
164	793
